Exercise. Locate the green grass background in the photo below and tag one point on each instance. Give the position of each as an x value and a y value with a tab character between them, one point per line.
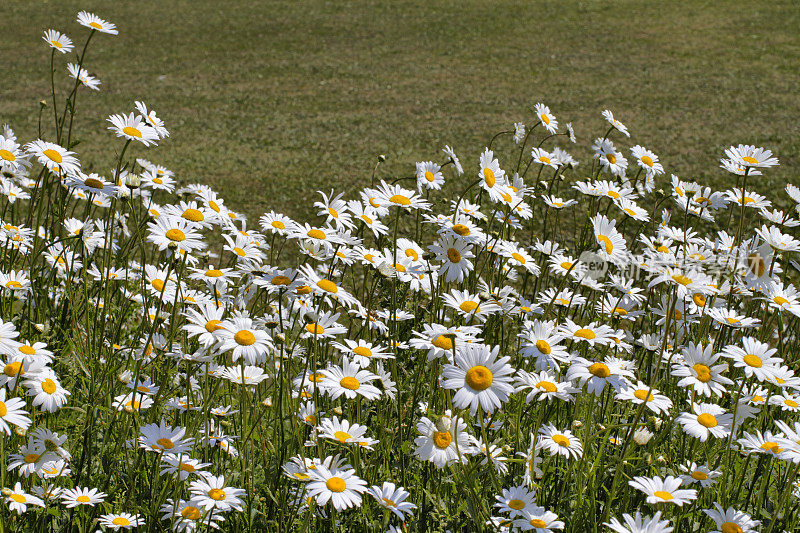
270	101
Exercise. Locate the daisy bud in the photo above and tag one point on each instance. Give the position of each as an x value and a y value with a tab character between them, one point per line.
271	323
337	410
648	458
600	427
485	295
279	338
5	491
125	377
577	424
642	436
21	432
172	245
657	422
381	158
39	327
133	181
43	103
444	423
661	460
267	402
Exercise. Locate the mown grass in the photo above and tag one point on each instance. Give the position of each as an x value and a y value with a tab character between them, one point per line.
270	101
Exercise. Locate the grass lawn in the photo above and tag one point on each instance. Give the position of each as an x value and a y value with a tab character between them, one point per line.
270	101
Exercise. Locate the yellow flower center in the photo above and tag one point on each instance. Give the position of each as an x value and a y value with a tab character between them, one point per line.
461	229
780	300
445	343
3	410
751	160
585	333
611	158
12	369
213	325
543	347
194	215
216	494
753	360
363	351
32	458
791	403
703	372
342	436
488	177
53	155
731	527
121	521
647	160
429	176
470	306
699	300
333	212
643	395
683	280
699	476
19	498
315	329
707	420
336	484
349	382
666	496
244	338
316	234
328	286
599	370
175	234
442	439
561	440
82	499
399	199
165	443
772	446
453	255
518	257
547	386
479	378
538	523
49	386
388	502
545	119
132	132
191	513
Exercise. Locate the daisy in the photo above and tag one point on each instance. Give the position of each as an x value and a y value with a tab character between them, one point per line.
177	232
93	22
542	341
558	442
449	152
133	128
754	357
543	157
699	473
647	160
345	432
616	124
544	386
82	75
82	496
612	243
349	380
706	420
469	305
592	333
47	392
341	487
276	223
609	158
444	442
596	374
322	326
454	254
58	41
538	520
396	196
429	176
479	378
643	393
362	352
157	124
121	521
164	438
640	524
730	520
11	411
248	342
758	442
492	178
699	369
18	500
183	465
547	119
393	498
211	492
57	159
515	501
663	491
749	156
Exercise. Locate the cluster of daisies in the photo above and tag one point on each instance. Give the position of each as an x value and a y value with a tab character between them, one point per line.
528	343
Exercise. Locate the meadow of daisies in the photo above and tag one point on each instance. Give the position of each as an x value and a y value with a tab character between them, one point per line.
517	339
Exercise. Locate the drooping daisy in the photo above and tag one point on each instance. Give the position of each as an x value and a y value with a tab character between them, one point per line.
12	412
609	158
82	75
616	124
18	500
393	498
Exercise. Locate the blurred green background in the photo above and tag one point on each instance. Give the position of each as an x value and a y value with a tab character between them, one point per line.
270	101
